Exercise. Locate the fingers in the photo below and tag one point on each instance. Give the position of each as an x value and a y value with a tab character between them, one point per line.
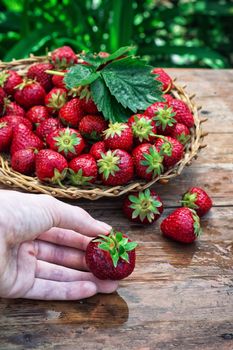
59	255
66	238
45	270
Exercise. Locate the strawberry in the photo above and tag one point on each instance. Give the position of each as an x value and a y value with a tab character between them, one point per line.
115	167
164	78
168	98
51	166
37	72
47	126
89	106
23	161
97	149
71	113
83	170
164	117
92	127
144	207
182	225
37	114
55	100
181	133
5	135
24	138
171	149
15	120
183	114
196	198
58	80
12	108
2	101
9	79
152	109
111	256
118	135
66	141
147	161
63	57
29	93
143	127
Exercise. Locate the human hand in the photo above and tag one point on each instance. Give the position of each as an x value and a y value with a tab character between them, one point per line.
42	249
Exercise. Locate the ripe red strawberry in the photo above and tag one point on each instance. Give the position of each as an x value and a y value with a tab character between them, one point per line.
152	109
164	117
171	149
168	98
9	79
37	72
181	133
143	127
2	100
58	80
15	120
183	114
111	256
164	78
89	106
182	225
37	114
12	108
97	149
51	166
66	141
23	161
47	126
71	113
92	127
148	162
24	138
63	57
115	167
118	135
83	170
144	207
55	100
5	135
196	198
29	93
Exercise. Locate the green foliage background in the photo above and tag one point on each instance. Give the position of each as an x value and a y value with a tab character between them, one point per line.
181	33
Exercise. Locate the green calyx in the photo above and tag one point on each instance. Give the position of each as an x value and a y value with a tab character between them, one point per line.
114	129
142	128
3	125
183	138
196	223
117	245
166	149
144	206
66	142
153	161
108	164
164	117
24	83
3	78
189	200
58	177
78	179
57	100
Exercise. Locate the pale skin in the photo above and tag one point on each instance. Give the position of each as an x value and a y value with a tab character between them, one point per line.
42	249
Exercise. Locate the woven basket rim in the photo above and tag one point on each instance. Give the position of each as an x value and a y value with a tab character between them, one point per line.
11	178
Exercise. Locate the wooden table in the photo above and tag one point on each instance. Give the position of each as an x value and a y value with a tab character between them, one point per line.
179	297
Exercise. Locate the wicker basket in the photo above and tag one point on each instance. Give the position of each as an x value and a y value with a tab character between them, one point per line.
14	179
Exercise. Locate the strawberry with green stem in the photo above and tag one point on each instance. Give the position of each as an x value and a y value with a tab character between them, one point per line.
148	161
63	57
144	207
55	100
12	108
181	133
171	149
9	79
92	127
143	127
182	225
29	93
97	149
115	167
111	256
118	135
183	113
196	198
66	141
83	170
165	120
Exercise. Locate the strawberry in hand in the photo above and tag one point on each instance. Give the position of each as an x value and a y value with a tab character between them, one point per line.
111	256
196	198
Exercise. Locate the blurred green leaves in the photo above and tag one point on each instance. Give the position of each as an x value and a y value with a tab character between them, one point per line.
178	33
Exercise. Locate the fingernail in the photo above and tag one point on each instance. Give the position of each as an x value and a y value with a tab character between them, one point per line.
105	226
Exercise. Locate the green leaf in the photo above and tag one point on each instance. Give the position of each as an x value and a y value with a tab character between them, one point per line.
131	82
130	246
120	52
80	75
106	103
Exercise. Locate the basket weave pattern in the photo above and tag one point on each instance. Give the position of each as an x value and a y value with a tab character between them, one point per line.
14	179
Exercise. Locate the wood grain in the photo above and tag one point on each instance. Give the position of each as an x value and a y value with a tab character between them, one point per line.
178	297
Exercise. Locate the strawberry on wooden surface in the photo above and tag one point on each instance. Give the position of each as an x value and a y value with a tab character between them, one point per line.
196	198
112	256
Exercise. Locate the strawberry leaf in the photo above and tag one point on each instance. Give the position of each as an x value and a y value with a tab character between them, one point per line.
80	75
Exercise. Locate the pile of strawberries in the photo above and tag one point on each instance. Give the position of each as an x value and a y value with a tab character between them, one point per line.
52	133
